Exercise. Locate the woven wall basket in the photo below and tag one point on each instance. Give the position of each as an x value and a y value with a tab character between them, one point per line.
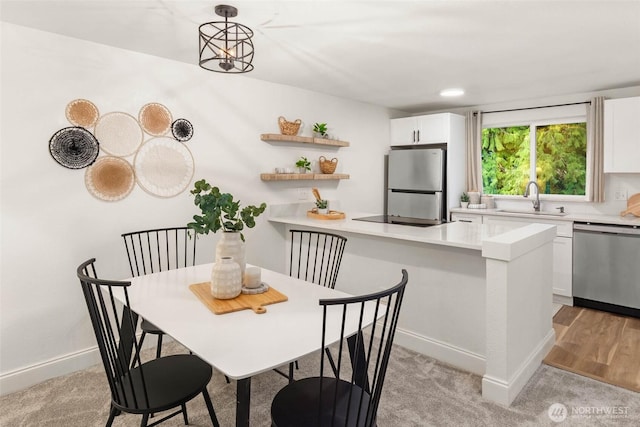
328	166
289	128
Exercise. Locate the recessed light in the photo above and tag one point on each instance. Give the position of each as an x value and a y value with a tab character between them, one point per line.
452	92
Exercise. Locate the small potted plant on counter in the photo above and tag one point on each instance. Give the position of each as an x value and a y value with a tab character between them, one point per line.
464	200
323	206
303	165
320	130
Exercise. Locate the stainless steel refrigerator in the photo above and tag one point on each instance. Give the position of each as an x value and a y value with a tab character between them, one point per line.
416	183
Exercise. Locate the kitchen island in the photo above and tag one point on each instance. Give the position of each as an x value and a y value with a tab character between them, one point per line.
479	297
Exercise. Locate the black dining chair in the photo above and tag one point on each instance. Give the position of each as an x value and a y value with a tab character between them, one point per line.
162	384
315	256
162	249
352	397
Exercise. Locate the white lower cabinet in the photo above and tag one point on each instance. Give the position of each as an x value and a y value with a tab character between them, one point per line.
562	253
562	266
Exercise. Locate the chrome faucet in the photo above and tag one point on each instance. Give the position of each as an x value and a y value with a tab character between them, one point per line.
536	202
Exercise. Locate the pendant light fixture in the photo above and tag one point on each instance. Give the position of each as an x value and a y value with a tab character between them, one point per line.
226	47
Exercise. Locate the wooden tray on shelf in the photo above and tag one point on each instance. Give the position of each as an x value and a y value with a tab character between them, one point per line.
243	301
330	215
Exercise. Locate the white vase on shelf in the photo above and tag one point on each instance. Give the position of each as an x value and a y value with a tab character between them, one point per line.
231	245
226	279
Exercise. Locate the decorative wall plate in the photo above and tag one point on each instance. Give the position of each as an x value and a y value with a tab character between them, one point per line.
163	167
74	147
81	112
119	134
110	178
182	130
155	119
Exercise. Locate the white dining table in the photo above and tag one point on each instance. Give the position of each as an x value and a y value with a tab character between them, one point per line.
240	344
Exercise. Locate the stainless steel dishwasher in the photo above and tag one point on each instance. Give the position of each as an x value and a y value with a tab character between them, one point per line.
606	267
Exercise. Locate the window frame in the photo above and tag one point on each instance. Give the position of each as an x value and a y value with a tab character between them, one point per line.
561	115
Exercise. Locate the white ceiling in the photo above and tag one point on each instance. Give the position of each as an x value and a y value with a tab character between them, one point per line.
397	54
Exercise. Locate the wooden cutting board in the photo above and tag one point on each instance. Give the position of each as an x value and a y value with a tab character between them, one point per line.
330	215
241	302
633	206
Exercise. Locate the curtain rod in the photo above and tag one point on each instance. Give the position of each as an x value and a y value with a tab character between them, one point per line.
533	108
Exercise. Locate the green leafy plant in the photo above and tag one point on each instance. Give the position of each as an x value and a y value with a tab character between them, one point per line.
464	197
322	204
220	211
304	163
320	128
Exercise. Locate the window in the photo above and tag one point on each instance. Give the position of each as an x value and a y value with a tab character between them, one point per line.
551	152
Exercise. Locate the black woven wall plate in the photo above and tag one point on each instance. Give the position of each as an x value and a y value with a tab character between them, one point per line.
74	147
182	130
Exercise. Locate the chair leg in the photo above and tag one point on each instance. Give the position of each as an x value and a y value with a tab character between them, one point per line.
212	412
227	378
291	364
145	420
135	357
184	414
112	414
331	362
297	367
159	349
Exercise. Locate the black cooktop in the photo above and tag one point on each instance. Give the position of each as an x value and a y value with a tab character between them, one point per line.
392	219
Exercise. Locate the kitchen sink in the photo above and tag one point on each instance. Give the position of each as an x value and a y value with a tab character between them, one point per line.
532	212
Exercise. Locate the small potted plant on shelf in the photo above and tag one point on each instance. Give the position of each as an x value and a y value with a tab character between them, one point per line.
303	165
323	206
464	200
320	130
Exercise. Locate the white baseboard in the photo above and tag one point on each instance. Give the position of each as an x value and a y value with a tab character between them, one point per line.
439	350
35	374
22	378
504	392
561	299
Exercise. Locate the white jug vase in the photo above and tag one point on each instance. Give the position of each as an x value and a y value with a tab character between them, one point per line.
231	245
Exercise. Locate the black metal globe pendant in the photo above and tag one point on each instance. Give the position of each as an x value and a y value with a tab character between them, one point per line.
226	47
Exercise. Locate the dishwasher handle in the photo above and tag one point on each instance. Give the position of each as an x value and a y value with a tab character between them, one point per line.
609	229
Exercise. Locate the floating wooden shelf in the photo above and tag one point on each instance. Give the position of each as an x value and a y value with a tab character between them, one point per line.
302	176
303	139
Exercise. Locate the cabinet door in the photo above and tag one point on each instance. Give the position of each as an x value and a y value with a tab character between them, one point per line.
622	135
403	131
562	266
433	128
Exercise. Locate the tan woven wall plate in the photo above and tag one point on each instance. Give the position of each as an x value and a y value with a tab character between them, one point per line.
155	119
82	112
110	178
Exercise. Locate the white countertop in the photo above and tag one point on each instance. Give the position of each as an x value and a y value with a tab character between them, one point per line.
456	234
577	217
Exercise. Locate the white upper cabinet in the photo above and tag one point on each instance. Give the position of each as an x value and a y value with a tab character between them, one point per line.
622	135
403	131
429	129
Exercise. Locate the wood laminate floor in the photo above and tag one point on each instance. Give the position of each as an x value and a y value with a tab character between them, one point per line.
598	345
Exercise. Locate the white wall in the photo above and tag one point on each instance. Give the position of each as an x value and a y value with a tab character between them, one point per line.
50	223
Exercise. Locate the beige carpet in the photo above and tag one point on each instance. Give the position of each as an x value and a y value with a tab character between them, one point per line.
418	391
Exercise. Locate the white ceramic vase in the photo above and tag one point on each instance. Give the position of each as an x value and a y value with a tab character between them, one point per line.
226	279
231	245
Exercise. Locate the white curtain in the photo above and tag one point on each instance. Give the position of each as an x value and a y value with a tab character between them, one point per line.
473	136
595	150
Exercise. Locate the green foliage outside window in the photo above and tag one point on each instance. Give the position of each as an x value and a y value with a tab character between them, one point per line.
561	154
